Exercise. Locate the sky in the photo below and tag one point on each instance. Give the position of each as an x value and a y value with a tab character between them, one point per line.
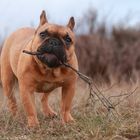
15	14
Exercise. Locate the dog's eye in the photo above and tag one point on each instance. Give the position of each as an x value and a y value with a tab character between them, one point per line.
67	40
43	34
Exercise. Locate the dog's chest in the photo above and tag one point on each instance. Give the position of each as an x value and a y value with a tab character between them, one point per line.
47	86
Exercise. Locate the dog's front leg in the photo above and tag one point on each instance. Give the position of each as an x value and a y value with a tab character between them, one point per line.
68	92
47	110
28	100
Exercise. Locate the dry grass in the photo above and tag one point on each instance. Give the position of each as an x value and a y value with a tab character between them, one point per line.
100	54
92	119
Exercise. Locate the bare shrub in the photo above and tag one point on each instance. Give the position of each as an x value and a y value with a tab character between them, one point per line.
103	55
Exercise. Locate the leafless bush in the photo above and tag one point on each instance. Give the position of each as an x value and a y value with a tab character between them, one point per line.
102	55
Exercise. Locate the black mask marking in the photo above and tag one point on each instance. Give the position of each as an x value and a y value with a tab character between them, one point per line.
56	54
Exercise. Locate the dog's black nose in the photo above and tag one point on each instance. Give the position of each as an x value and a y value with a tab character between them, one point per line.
55	42
58	49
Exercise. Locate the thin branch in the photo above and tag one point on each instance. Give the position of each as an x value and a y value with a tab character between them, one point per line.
106	102
128	95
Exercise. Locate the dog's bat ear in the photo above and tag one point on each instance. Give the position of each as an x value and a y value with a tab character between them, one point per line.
71	23
43	18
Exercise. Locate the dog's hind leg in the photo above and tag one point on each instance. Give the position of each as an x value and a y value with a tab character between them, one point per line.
8	82
47	110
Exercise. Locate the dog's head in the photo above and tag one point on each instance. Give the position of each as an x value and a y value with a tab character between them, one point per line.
55	43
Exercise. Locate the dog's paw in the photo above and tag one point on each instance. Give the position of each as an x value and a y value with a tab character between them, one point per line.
67	118
33	122
50	113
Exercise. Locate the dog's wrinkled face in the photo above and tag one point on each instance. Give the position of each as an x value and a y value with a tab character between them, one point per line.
54	42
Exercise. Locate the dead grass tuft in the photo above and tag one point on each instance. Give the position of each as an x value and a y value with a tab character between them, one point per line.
92	120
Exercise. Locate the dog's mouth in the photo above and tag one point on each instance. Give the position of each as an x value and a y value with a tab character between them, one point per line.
52	53
50	60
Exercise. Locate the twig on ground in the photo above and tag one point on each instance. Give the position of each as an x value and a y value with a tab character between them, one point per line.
107	104
126	96
104	100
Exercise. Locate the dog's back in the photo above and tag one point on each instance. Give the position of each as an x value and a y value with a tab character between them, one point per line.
13	45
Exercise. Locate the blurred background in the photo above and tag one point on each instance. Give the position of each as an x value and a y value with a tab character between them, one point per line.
107	32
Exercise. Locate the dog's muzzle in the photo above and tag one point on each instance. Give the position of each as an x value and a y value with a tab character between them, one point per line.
53	53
